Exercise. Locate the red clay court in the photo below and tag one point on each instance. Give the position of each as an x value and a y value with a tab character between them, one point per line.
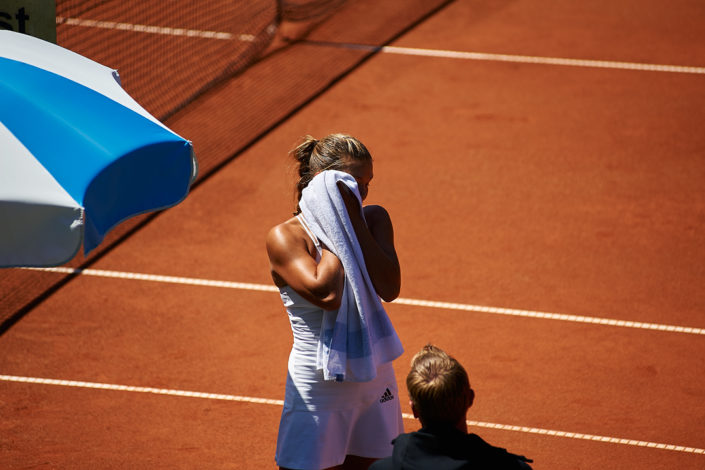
543	164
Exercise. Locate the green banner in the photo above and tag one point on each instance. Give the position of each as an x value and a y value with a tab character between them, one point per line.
34	17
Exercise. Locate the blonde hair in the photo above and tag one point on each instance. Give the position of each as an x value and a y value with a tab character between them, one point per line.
438	387
329	153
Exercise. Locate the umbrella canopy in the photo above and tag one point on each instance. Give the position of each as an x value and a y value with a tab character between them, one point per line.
77	154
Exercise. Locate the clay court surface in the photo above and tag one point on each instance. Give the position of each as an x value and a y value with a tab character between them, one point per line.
569	193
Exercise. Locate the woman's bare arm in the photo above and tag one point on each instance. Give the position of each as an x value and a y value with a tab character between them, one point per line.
320	283
375	234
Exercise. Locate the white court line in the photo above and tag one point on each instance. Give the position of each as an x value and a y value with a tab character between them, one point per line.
267	401
513	58
543	60
140	28
130	388
402	301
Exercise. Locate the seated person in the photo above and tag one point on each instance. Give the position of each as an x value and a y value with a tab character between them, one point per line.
440	398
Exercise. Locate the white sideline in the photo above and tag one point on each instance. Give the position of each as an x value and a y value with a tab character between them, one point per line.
414	302
607	64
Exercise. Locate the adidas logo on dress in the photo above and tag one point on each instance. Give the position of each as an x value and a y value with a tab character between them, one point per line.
386	396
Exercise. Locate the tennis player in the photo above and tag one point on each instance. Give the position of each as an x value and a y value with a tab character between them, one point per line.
342	424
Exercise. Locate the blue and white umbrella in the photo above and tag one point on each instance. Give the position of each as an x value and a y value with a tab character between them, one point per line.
77	154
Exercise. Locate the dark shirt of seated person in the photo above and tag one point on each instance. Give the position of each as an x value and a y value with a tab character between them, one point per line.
440	395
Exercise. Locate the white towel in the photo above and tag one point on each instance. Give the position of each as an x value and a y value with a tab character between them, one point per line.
359	336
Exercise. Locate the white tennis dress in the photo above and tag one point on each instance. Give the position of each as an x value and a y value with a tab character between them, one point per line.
323	421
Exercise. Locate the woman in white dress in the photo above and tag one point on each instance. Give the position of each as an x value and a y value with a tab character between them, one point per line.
330	424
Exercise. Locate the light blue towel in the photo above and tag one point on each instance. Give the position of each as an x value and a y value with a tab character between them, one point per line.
359	336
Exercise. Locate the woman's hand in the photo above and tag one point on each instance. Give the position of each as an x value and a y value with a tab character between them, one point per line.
352	204
376	237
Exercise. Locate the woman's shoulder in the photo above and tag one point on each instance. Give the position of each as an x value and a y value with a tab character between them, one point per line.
287	229
286	236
